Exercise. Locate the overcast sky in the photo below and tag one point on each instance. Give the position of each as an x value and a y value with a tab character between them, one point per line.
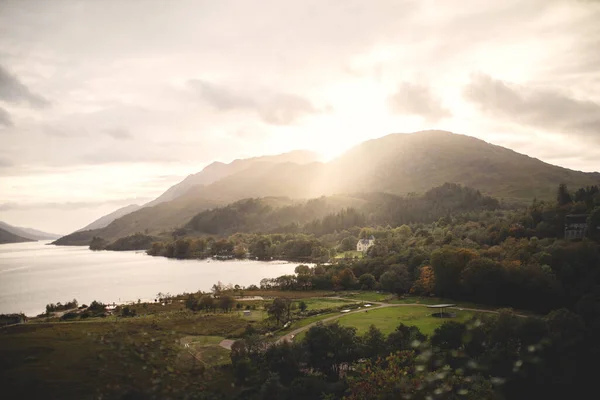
108	103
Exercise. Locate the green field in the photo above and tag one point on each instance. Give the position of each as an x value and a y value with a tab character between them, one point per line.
387	319
322	303
350	254
369	296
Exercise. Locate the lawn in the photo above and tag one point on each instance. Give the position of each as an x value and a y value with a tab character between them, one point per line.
214	355
255	315
350	254
319	303
387	319
369	296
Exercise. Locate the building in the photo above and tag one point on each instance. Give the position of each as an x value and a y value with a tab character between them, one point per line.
576	226
364	244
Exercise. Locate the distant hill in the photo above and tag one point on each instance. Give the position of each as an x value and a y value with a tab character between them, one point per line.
28	233
218	170
107	219
8	237
396	164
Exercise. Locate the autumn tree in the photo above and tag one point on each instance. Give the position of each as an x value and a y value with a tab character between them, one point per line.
425	285
345	279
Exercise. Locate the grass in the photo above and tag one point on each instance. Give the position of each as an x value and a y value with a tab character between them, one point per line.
307	321
369	296
214	355
77	360
387	319
255	315
323	303
299	294
202	340
350	254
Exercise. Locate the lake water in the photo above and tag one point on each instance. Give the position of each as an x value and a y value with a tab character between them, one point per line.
34	274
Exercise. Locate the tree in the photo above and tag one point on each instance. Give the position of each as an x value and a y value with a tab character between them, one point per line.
396	280
345	279
348	243
449	336
403	338
302	270
426	283
272	388
226	303
279	309
367	281
563	197
373	343
207	303
191	302
128	312
302	306
98	243
484	280
593	223
448	264
330	347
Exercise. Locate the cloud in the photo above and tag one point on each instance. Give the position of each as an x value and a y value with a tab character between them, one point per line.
539	108
119	133
274	108
5	118
4	162
221	97
13	91
415	99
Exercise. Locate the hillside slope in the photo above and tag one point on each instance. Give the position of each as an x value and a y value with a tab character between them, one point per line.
28	233
108	218
8	237
218	170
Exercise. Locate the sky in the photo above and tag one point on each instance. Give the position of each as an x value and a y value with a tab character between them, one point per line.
108	103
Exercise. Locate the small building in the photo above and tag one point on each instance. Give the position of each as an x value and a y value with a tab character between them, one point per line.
576	226
247	313
364	244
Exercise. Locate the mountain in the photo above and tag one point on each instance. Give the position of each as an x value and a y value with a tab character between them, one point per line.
107	219
28	233
404	163
9	237
218	170
396	164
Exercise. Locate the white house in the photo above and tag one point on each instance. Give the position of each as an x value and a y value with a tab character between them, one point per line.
364	244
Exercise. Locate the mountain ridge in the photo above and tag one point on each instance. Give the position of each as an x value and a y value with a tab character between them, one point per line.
28	233
9	237
396	163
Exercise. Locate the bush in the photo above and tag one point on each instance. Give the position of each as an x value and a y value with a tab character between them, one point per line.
69	316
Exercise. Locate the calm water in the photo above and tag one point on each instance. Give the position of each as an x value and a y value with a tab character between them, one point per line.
35	274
